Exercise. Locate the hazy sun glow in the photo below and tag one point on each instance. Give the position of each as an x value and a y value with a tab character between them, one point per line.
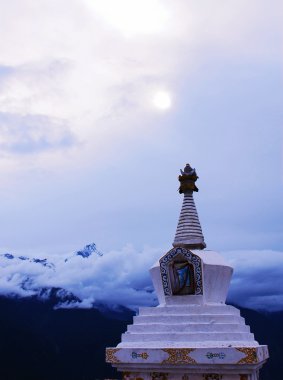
162	100
132	16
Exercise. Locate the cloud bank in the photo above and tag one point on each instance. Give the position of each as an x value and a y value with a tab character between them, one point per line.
116	278
122	278
257	280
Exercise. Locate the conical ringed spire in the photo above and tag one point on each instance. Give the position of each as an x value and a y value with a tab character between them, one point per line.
189	232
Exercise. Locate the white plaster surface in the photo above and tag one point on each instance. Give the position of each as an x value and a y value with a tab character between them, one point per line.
216	280
188	229
157	282
210	257
188	326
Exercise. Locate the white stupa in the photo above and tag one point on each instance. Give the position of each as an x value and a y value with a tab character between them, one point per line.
192	334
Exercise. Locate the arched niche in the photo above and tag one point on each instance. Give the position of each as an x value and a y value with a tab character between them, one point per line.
181	276
181	273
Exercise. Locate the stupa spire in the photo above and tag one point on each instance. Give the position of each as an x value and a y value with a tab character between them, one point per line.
189	233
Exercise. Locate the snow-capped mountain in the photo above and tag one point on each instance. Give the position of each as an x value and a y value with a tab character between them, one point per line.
26	276
43	262
87	251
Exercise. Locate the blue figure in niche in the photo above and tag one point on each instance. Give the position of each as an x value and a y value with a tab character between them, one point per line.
182	278
183	274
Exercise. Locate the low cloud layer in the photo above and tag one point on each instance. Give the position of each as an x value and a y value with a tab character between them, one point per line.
122	278
257	280
116	278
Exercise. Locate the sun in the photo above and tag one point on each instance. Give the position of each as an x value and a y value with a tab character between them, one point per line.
132	17
162	100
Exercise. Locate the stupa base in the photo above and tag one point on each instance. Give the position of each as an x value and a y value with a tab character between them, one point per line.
224	363
210	374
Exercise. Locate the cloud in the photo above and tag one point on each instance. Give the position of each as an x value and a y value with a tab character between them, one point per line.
257	280
122	278
117	278
95	65
22	134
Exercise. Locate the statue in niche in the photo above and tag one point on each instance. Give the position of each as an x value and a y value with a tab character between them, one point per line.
181	274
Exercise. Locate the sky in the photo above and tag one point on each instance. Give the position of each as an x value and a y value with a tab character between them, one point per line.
103	101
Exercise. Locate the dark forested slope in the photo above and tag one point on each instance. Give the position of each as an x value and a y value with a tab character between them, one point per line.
40	343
